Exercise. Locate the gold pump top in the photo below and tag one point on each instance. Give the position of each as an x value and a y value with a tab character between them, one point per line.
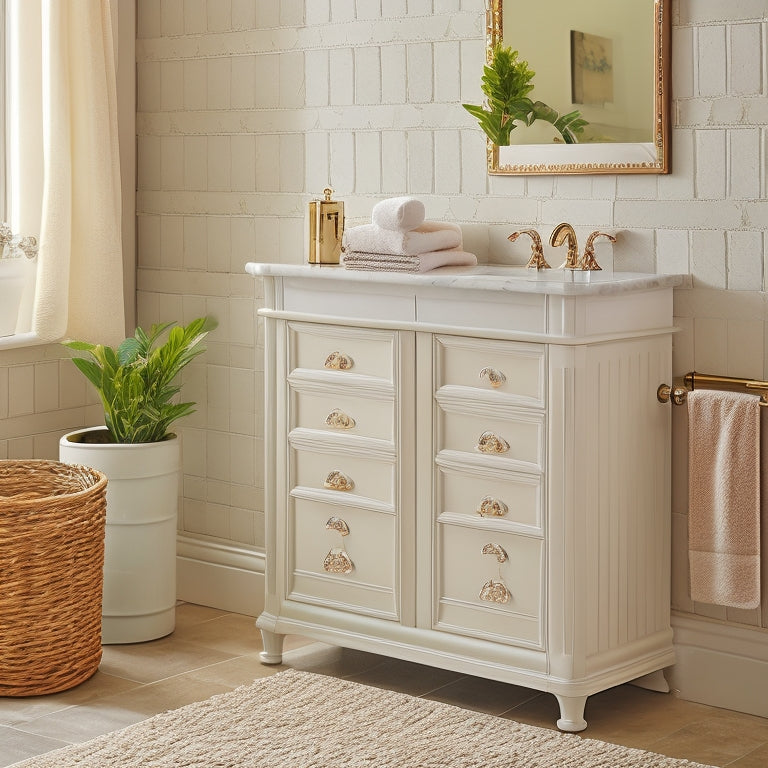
328	192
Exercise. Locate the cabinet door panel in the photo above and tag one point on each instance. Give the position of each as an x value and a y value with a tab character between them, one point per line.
517	499
505	367
372	478
344	414
346	350
370	546
521	436
463	571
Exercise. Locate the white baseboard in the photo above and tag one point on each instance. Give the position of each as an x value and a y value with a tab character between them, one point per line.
224	576
719	664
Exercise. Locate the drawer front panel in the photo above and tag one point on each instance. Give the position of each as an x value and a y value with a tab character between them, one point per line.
495	366
463	493
372	478
345	350
344	414
463	571
524	434
370	587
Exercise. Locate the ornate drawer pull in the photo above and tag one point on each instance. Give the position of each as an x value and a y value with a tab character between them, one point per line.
490	507
495	377
337	524
496	549
338	361
338	561
339	420
495	592
490	443
338	481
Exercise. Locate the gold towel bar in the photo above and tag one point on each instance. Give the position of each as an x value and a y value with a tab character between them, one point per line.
693	380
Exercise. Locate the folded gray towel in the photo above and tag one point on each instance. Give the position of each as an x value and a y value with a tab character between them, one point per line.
424	262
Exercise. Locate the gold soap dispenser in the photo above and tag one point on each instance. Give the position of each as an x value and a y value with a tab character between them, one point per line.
326	227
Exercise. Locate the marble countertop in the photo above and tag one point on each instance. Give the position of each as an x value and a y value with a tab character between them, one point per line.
489	277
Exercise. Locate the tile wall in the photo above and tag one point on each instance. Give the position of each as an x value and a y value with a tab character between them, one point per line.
248	108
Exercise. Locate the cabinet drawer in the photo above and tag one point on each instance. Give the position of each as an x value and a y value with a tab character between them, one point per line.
371	478
343	414
344	350
515	499
518	436
370	545
506	367
463	571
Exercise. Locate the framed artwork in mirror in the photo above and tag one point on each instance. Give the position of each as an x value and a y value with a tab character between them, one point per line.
606	61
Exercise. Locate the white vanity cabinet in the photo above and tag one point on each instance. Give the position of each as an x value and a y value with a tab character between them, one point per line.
470	469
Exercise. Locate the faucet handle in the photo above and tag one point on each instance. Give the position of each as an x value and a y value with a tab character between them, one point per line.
588	261
537	260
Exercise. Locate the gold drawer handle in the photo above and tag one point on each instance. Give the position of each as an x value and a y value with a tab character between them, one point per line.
495	592
338	561
490	443
338	361
337	419
337	524
495	377
490	507
496	549
338	481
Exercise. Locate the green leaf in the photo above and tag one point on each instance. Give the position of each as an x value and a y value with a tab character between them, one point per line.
79	345
90	369
129	350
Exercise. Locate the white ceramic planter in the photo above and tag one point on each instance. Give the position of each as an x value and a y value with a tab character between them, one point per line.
140	545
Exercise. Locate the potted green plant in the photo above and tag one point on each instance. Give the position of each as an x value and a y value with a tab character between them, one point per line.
506	83
138	385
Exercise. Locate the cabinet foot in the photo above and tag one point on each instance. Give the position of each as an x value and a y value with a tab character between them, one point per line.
571	713
655	681
273	647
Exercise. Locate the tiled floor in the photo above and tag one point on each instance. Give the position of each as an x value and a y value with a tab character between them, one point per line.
212	652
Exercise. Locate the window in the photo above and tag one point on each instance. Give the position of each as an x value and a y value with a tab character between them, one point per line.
3	143
20	162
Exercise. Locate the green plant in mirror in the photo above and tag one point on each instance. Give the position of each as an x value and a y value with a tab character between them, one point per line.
506	83
137	381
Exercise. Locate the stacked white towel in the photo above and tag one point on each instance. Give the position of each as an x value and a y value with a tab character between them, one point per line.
398	239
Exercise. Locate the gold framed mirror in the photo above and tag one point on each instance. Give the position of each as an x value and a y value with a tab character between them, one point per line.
610	62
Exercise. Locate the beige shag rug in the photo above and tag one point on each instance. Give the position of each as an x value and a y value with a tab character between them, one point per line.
302	720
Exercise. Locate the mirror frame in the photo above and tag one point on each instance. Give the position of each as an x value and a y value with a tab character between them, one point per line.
558	159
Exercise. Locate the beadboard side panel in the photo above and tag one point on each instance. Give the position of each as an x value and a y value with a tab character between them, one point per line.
609	530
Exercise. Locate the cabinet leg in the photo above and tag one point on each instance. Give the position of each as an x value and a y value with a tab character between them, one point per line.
653	682
571	713
273	647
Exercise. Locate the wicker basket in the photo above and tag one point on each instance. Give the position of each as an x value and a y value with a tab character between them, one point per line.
52	519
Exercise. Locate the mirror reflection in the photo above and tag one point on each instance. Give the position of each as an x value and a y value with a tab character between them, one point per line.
603	61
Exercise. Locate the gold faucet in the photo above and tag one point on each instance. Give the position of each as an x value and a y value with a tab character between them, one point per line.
560	234
589	261
537	260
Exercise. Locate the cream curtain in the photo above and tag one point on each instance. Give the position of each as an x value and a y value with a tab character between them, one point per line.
79	291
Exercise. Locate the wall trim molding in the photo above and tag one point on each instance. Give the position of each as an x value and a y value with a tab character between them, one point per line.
227	576
717	663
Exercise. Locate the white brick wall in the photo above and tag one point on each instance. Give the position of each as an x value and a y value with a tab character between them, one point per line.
248	108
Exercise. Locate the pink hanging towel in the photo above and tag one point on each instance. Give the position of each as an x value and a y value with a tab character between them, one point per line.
724	498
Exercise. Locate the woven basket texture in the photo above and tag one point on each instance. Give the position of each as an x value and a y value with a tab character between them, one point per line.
52	523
